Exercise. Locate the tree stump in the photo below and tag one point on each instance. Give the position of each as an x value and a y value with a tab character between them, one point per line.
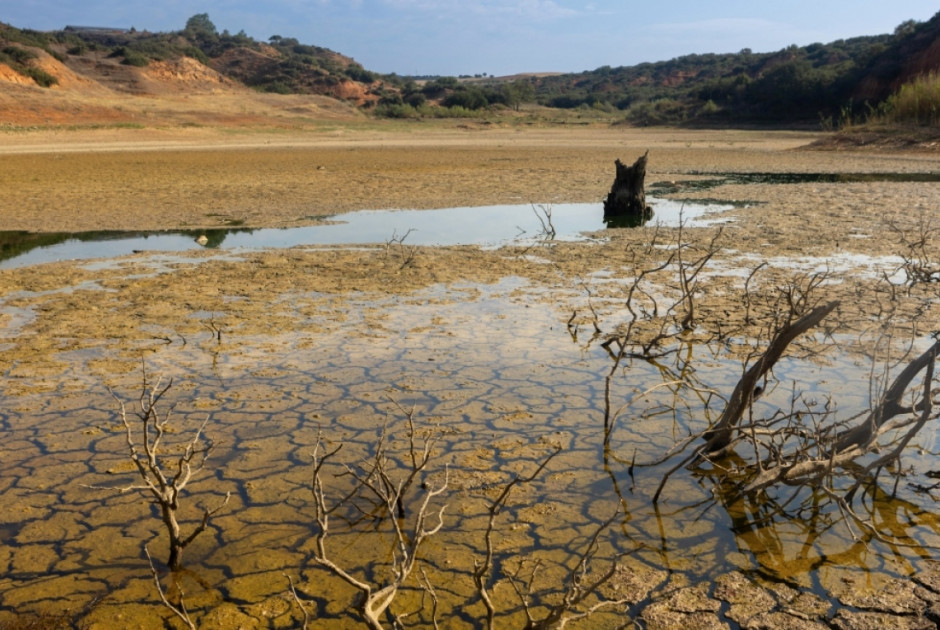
625	205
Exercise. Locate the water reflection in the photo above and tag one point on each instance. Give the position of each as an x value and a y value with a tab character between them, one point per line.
629	221
502	400
488	226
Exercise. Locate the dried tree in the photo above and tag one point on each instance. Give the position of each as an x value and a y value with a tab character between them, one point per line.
807	445
149	425
375	485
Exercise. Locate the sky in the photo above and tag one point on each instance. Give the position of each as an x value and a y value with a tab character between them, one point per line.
498	37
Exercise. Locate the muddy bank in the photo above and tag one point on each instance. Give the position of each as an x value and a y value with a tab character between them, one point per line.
76	181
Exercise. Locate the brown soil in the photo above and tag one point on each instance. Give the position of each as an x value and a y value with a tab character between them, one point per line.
154	179
264	162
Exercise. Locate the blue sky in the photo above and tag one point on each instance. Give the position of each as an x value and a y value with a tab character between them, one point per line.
499	37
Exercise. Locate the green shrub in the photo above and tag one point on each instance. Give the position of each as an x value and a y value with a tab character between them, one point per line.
17	58
278	87
396	110
197	54
916	103
41	77
660	112
415	99
17	55
134	58
425	110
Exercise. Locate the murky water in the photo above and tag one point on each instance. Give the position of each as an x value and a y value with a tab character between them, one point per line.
488	226
501	381
708	180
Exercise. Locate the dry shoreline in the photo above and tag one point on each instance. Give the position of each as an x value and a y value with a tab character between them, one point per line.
129	179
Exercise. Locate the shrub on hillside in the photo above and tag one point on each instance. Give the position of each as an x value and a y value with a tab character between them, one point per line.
41	77
134	58
18	58
916	103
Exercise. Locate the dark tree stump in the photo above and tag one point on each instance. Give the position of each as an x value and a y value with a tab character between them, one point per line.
626	202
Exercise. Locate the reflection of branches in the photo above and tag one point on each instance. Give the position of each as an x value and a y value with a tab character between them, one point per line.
918	264
577	589
772	527
573	327
483	568
544	215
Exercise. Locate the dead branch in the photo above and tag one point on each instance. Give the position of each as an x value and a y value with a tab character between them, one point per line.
890	405
720	436
861	439
180	611
688	274
375	600
406	253
300	604
578	589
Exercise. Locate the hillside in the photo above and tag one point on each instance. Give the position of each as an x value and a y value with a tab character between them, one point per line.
95	76
797	84
41	74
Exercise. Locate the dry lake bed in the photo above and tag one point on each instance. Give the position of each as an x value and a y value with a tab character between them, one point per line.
481	327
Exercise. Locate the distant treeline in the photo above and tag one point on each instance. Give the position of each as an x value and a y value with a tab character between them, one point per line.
833	84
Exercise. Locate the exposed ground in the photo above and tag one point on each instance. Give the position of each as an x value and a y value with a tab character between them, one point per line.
263	162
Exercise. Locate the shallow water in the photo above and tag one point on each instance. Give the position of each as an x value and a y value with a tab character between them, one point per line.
494	371
488	226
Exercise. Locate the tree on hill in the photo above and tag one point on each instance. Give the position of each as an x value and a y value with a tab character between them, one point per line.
200	26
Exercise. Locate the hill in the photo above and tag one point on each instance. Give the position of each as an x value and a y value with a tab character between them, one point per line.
830	83
794	85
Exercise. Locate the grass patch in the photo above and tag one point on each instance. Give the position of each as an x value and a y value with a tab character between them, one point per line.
916	103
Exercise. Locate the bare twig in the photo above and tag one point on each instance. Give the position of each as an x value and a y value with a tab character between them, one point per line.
406	253
578	589
300	604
